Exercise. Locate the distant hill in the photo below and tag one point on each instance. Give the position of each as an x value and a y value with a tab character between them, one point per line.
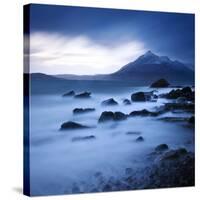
144	70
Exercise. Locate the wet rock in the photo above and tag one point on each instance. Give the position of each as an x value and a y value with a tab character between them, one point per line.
133	133
126	102
72	126
90	137
107	188
191	120
162	147
83	95
174	154
179	106
109	102
185	92
112	116
75	189
83	110
161	83
138	96
139	139
181	100
174	119
143	113
69	94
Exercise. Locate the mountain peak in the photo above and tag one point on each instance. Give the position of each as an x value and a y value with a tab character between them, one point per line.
149	52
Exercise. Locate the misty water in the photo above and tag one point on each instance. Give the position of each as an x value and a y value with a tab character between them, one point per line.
57	163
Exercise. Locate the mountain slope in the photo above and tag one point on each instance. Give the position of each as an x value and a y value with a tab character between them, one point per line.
150	67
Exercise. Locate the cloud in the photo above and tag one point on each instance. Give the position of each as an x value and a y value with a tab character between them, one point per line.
53	53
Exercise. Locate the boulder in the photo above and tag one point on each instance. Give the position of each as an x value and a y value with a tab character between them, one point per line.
72	126
90	137
83	110
126	102
185	92
69	94
162	147
191	120
139	139
138	96
161	83
143	113
83	95
109	102
112	116
174	154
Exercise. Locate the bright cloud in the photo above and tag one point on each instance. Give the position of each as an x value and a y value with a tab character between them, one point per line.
62	54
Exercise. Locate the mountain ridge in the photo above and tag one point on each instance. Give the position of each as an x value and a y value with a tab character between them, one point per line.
144	70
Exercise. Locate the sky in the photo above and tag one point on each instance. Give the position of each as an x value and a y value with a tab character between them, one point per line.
81	40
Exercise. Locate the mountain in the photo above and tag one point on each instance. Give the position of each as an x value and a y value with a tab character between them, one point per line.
145	70
150	67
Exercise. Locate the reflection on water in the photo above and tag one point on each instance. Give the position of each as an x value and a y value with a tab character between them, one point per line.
57	162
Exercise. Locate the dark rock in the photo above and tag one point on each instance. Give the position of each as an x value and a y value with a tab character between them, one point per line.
181	100
112	116
139	139
179	106
75	189
161	83
174	119
174	154
83	110
72	126
107	188
138	96
83	95
185	92
133	133
143	112
109	102
191	120
162	147
68	94
90	137
126	102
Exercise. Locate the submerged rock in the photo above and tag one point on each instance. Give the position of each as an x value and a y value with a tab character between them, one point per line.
83	110
174	119
181	100
109	102
143	112
161	83
83	95
139	139
162	147
179	106
72	125
126	102
133	133
112	116
90	137
69	94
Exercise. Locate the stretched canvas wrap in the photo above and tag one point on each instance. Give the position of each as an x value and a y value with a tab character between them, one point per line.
109	100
